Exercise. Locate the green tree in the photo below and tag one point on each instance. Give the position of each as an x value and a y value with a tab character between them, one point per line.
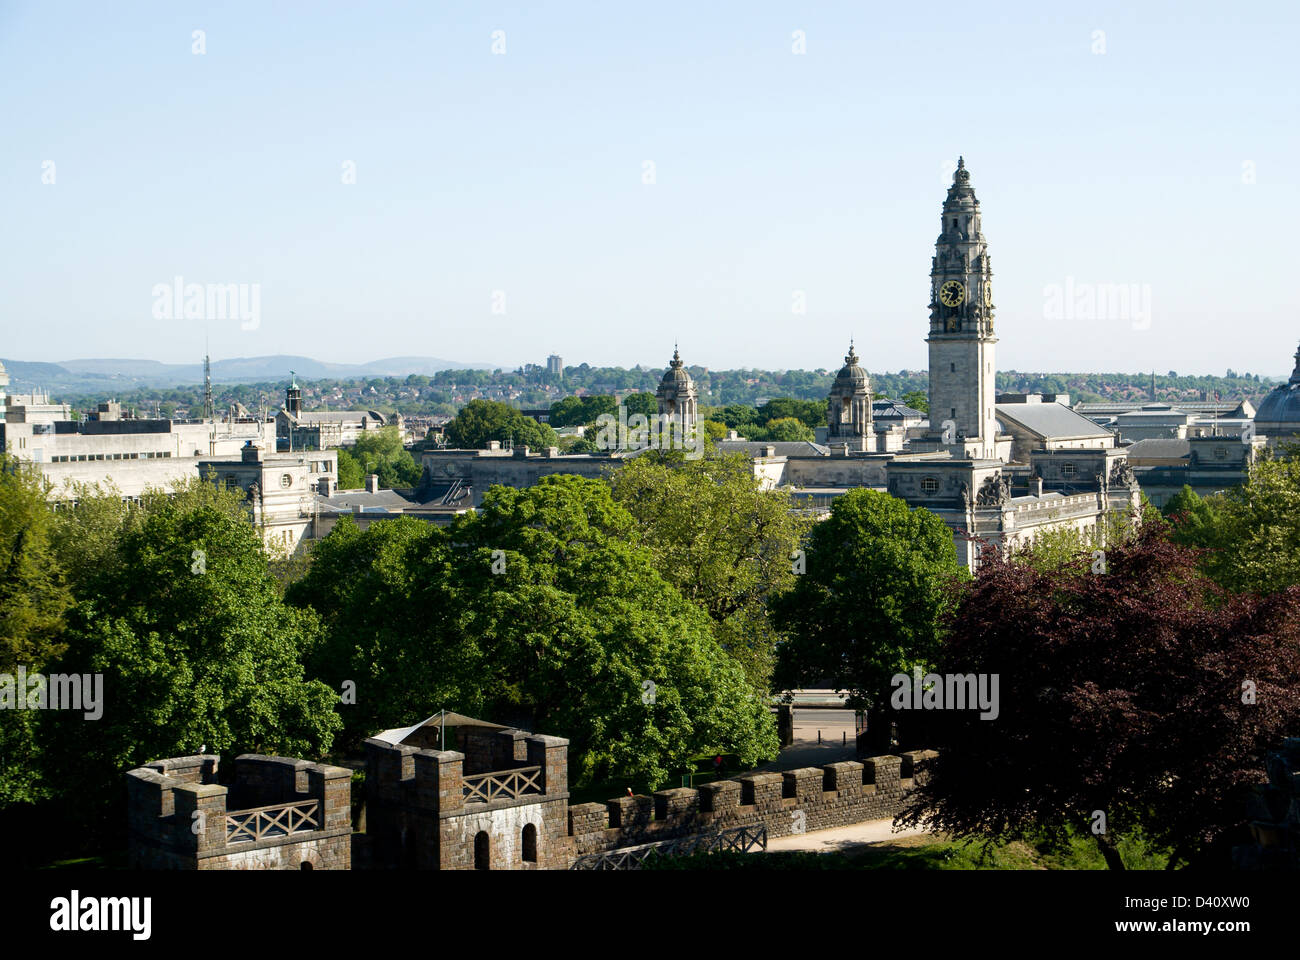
379	452
382	594
723	541
917	400
351	474
34	599
480	421
195	648
881	578
787	429
811	413
1196	521
574	604
642	403
1260	528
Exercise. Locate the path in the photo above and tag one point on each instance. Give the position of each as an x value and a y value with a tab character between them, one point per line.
842	839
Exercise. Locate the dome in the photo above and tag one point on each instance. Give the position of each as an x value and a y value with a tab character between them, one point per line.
851	375
676	372
1282	405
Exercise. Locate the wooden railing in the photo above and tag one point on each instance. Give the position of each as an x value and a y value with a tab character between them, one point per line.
485	787
277	820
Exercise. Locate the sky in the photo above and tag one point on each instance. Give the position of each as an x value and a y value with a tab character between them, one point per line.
758	182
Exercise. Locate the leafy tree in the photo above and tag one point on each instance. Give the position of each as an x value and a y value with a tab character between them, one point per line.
713	430
379	452
723	541
381	594
86	533
917	400
642	403
34	599
194	648
880	582
1145	694
33	593
480	421
1196	521
738	415
351	474
811	413
581	411
786	429
1258	529
576	604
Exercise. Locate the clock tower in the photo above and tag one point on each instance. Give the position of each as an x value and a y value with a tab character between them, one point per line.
962	369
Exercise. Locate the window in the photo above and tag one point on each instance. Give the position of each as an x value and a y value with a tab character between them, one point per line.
1067	469
530	843
952	368
930	484
286	481
482	851
1220	453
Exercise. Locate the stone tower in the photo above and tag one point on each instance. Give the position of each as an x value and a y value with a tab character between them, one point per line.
677	396
962	368
849	411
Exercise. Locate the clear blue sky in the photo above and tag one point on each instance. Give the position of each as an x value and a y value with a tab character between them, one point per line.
522	172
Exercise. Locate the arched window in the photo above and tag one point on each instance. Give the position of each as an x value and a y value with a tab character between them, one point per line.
306	865
530	843
482	851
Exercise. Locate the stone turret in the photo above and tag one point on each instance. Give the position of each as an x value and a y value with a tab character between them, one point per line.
849	411
677	396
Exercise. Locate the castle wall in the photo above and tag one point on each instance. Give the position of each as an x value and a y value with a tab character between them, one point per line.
180	818
795	801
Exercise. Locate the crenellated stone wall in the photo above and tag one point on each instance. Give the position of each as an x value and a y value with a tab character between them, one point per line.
180	818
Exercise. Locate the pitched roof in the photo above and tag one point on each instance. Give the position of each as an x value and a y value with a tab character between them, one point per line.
1051	421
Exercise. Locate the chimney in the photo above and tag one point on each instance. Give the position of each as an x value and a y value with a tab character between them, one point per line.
372	483
552	452
494	445
521	451
769	451
323	487
251	452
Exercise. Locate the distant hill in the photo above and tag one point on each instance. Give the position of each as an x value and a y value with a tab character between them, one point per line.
97	374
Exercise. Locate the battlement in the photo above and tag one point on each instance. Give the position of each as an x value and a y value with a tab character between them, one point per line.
793	801
279	813
499	799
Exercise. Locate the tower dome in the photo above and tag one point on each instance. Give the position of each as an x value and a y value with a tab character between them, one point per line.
851	375
848	411
677	396
1278	416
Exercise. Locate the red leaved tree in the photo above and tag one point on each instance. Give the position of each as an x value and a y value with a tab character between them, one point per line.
1143	692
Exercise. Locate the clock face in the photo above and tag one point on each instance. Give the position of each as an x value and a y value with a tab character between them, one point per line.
988	294
952	294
